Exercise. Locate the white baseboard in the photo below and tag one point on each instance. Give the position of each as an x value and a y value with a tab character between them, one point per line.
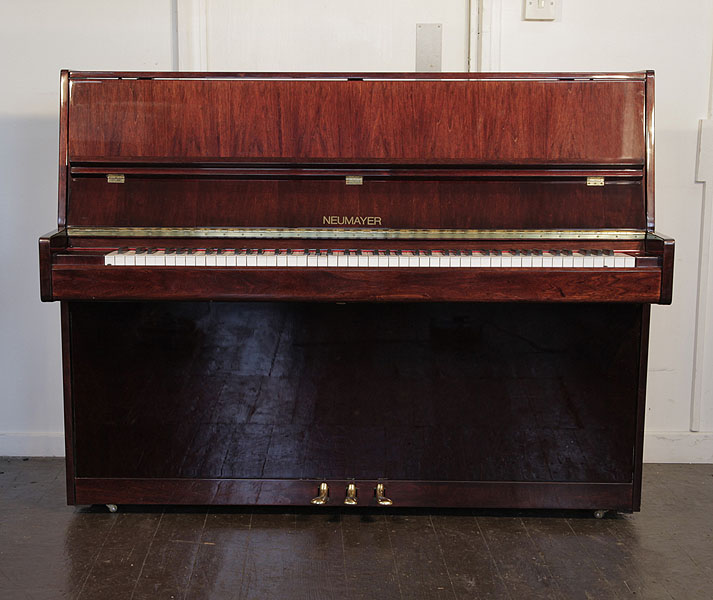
678	447
34	443
659	446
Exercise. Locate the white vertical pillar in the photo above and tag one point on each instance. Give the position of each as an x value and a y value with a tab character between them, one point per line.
490	22
192	35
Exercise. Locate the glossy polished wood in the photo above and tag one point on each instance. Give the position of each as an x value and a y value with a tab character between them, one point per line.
551	203
492	388
310	392
97	282
359	121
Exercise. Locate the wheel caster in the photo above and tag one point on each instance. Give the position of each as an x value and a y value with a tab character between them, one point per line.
112	508
599	514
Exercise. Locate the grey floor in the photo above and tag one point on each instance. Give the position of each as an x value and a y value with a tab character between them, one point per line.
49	550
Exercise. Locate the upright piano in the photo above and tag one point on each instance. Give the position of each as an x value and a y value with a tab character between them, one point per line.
409	290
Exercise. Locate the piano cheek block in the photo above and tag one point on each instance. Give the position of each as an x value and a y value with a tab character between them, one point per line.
434	316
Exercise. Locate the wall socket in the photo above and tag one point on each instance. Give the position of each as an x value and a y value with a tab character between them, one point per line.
540	10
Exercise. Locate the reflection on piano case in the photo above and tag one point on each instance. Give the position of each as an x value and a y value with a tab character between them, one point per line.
370	289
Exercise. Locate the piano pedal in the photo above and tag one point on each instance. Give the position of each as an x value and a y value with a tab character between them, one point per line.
351	498
600	514
380	493
323	495
112	508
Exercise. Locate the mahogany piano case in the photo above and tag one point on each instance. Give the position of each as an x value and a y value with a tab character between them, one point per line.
425	290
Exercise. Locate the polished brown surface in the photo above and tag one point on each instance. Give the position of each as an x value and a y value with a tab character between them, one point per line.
80	282
50	551
452	387
408	392
358	121
547	203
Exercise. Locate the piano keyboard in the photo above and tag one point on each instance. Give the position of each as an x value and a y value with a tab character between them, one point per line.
372	258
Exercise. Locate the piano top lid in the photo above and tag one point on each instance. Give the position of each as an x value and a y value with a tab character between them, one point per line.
371	75
418	118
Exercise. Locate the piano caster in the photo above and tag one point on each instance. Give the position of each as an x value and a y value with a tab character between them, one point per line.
351	498
599	514
112	508
323	496
381	499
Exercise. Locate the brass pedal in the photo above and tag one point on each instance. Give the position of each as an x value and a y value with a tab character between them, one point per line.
351	498
323	495
380	493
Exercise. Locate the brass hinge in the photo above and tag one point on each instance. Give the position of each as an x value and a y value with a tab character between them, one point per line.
354	180
595	180
115	178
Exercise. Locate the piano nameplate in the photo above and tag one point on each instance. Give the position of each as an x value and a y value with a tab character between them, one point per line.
356	233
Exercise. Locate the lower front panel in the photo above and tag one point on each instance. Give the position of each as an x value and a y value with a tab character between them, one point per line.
451	405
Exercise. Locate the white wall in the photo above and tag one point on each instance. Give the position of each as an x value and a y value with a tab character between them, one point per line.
38	38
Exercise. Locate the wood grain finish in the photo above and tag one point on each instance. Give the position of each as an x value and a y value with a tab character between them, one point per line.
460	388
359	121
262	492
550	203
95	282
282	396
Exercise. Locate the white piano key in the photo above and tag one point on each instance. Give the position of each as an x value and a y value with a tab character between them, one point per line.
281	260
322	260
516	261
537	261
373	260
467	261
221	260
171	259
496	260
251	259
110	259
342	260
200	258
578	260
211	260
588	261
241	258
568	261
180	258
130	258
557	261
454	260
609	261
382	260
291	260
547	260
140	259
332	260
363	260
482	259
191	259
414	260
630	261
598	262
506	260
261	260
158	259
301	259
527	262
393	260
352	260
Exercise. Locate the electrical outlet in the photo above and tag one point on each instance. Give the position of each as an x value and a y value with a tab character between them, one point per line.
540	10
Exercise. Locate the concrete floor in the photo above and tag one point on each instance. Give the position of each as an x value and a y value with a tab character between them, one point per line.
49	550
